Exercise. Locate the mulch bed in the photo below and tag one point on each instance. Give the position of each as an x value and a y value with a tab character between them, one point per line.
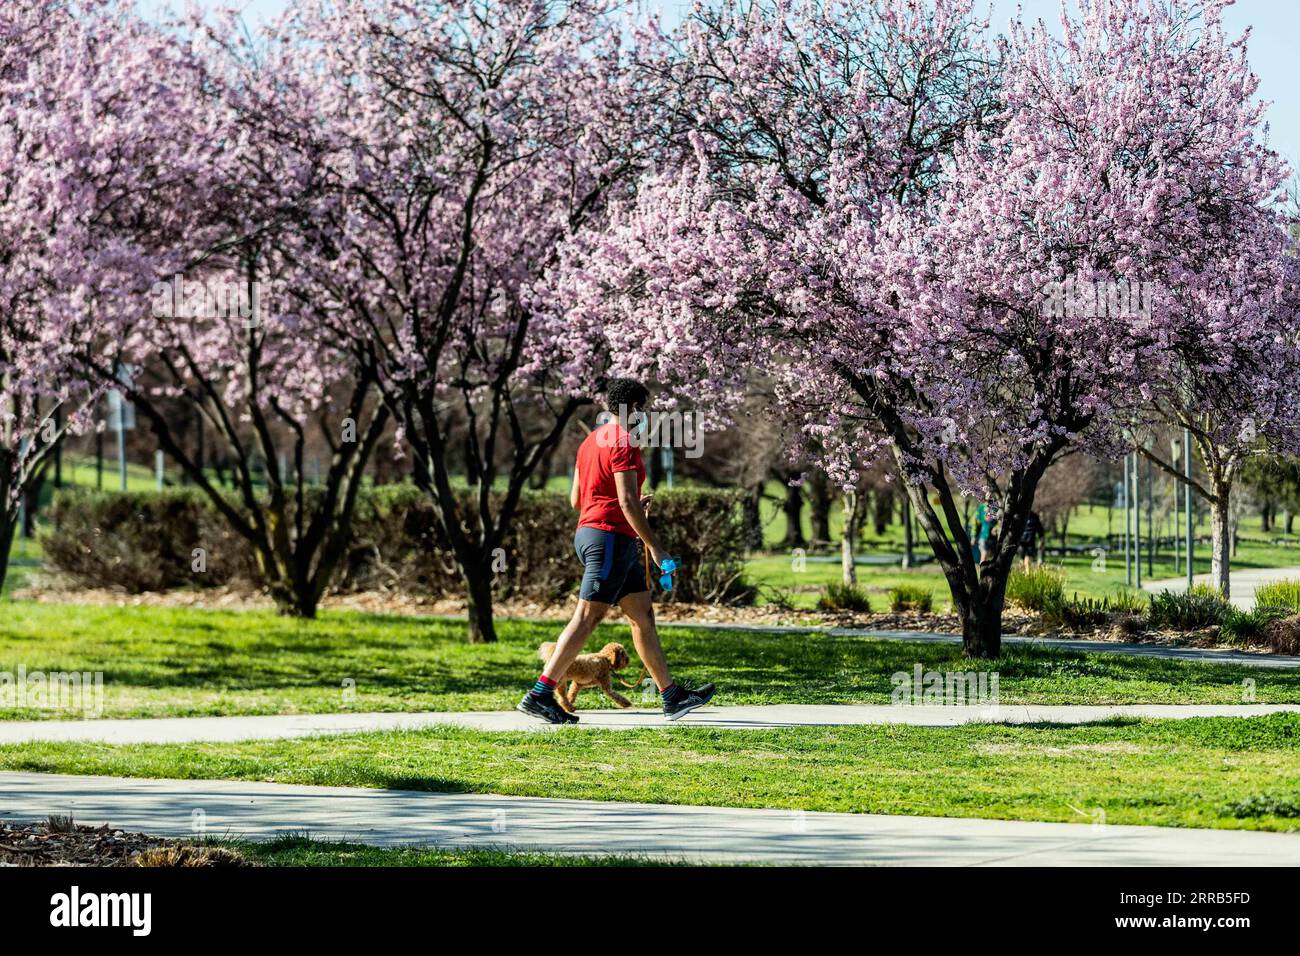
60	842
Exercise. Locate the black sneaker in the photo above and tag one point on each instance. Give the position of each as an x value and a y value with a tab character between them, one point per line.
545	708
694	698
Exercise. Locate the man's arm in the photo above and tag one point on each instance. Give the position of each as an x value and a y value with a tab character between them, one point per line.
573	492
630	502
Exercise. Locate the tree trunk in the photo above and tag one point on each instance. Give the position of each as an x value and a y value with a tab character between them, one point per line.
1220	537
909	542
819	504
293	601
753	516
482	627
978	589
981	631
1290	522
884	504
849	536
542	475
981	609
793	508
8	524
32	500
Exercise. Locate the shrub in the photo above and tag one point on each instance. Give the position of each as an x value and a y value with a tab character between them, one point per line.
398	546
1283	634
1125	608
1282	595
1037	588
782	599
844	597
1199	608
1128	624
188	855
704	528
1129	602
1075	612
1246	627
1080	612
144	542
910	597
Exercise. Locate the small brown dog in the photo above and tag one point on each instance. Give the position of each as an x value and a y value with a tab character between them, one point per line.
589	670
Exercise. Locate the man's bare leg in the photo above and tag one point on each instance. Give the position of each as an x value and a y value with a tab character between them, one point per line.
574	637
641	616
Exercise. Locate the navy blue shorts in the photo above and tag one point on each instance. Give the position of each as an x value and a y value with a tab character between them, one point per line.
612	565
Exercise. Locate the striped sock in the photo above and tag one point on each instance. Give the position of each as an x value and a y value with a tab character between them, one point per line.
672	692
544	687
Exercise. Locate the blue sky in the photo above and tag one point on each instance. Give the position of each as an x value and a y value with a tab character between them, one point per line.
1273	46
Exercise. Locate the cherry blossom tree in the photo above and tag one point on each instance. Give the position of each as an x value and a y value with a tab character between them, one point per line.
79	229
1237	389
963	268
459	144
141	222
240	334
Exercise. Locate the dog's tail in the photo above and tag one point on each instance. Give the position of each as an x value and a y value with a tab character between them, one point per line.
546	650
635	683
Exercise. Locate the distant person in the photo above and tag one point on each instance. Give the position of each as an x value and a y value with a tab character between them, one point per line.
984	525
1030	537
606	492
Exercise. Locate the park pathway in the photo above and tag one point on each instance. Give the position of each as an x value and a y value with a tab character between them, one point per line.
175	730
258	811
1242	583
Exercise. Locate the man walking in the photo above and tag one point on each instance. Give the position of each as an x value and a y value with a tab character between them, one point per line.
606	492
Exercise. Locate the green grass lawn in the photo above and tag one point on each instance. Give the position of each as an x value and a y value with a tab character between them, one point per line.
186	662
1218	772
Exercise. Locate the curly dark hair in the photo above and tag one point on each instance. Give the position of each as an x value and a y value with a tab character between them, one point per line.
625	393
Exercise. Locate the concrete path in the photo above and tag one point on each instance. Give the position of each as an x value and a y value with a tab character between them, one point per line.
1164	651
174	730
182	808
1241	583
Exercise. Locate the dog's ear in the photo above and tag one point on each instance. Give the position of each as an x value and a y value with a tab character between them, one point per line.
620	657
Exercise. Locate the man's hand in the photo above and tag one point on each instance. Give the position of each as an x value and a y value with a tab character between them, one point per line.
658	554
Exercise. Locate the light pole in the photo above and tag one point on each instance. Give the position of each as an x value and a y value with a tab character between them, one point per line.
1177	453
121	439
1128	567
1151	518
1137	521
1190	547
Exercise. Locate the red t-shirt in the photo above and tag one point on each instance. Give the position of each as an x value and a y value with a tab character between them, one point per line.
607	450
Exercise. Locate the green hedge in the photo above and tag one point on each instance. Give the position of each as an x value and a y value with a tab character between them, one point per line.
398	546
144	541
